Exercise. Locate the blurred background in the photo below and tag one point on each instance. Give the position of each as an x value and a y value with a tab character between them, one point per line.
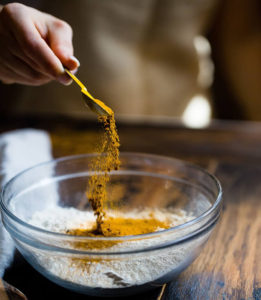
155	61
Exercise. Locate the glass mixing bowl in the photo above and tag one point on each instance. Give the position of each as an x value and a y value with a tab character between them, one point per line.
128	264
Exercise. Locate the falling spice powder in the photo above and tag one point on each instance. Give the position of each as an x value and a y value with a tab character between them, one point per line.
106	161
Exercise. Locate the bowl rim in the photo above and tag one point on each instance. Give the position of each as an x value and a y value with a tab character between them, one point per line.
190	223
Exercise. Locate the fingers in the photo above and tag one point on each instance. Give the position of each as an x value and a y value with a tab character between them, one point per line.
14	50
37	49
60	41
14	61
19	66
9	76
37	45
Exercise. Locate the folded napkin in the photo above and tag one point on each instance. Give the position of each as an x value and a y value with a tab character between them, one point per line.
19	150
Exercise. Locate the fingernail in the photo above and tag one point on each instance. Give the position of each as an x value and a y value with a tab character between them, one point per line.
64	79
74	71
74	59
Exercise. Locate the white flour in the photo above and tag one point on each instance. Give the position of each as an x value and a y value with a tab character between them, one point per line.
131	269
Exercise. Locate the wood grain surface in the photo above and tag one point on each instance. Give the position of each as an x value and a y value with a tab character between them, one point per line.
8	292
230	264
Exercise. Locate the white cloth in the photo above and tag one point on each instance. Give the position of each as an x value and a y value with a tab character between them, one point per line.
19	150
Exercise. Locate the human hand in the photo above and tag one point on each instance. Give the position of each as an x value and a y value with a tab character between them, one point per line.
34	46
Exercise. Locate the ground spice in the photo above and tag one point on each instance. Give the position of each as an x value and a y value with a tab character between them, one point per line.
106	161
117	227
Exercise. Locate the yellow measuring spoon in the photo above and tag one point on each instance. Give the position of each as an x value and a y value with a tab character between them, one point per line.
95	105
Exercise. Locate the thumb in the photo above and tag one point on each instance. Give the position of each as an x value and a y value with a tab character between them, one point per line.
60	41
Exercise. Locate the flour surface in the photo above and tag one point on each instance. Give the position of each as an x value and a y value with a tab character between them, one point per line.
112	273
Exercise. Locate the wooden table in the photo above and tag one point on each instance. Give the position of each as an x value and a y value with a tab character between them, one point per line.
230	265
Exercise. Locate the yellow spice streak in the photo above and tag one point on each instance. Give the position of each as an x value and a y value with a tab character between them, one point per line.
117	227
106	161
125	226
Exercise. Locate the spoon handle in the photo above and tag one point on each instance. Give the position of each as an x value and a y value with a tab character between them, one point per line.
81	85
9	292
95	105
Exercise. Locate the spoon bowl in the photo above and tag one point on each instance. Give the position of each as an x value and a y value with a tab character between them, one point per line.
95	105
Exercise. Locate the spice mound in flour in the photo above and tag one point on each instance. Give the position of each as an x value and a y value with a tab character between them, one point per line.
117	227
106	161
